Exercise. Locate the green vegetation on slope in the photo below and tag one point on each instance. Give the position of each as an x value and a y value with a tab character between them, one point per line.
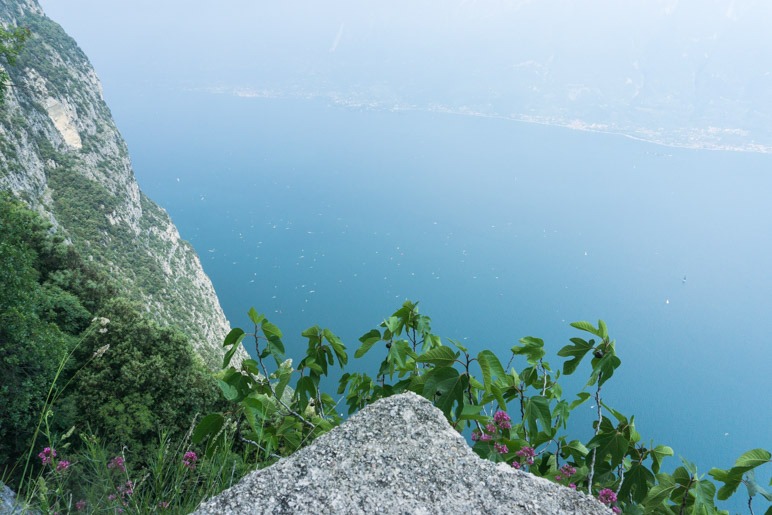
146	380
127	379
85	183
11	43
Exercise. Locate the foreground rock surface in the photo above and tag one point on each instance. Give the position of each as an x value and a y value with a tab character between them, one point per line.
8	503
398	455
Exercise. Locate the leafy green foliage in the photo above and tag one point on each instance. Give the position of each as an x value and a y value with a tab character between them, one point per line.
43	308
145	381
473	392
128	378
274	419
742	472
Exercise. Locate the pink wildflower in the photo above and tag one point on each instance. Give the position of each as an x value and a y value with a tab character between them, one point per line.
558	477
528	453
500	448
607	496
80	505
616	510
516	464
491	428
117	463
62	465
567	470
127	489
475	436
485	437
189	460
502	420
47	456
572	486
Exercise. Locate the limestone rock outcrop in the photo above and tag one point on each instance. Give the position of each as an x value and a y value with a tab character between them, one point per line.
398	455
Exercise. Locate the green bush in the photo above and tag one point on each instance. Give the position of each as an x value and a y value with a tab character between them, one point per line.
31	344
146	380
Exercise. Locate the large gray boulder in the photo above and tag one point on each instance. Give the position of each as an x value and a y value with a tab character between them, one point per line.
398	455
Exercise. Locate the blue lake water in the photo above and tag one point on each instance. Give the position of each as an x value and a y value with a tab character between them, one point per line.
317	214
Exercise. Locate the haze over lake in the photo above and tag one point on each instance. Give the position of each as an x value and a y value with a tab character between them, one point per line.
321	208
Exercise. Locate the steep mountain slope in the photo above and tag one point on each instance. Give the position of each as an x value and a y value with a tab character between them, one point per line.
61	152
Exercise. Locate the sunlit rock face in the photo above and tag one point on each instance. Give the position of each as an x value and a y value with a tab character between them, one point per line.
61	152
398	455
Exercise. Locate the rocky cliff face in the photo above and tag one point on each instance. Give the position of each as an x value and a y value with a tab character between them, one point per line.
61	152
398	455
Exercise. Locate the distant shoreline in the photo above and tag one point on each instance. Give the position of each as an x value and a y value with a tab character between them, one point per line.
697	138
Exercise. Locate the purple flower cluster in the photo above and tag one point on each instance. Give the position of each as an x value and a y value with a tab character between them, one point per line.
502	420
127	489
485	436
525	456
607	496
568	470
528	453
47	456
123	491
117	463
189	460
565	473
500	448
